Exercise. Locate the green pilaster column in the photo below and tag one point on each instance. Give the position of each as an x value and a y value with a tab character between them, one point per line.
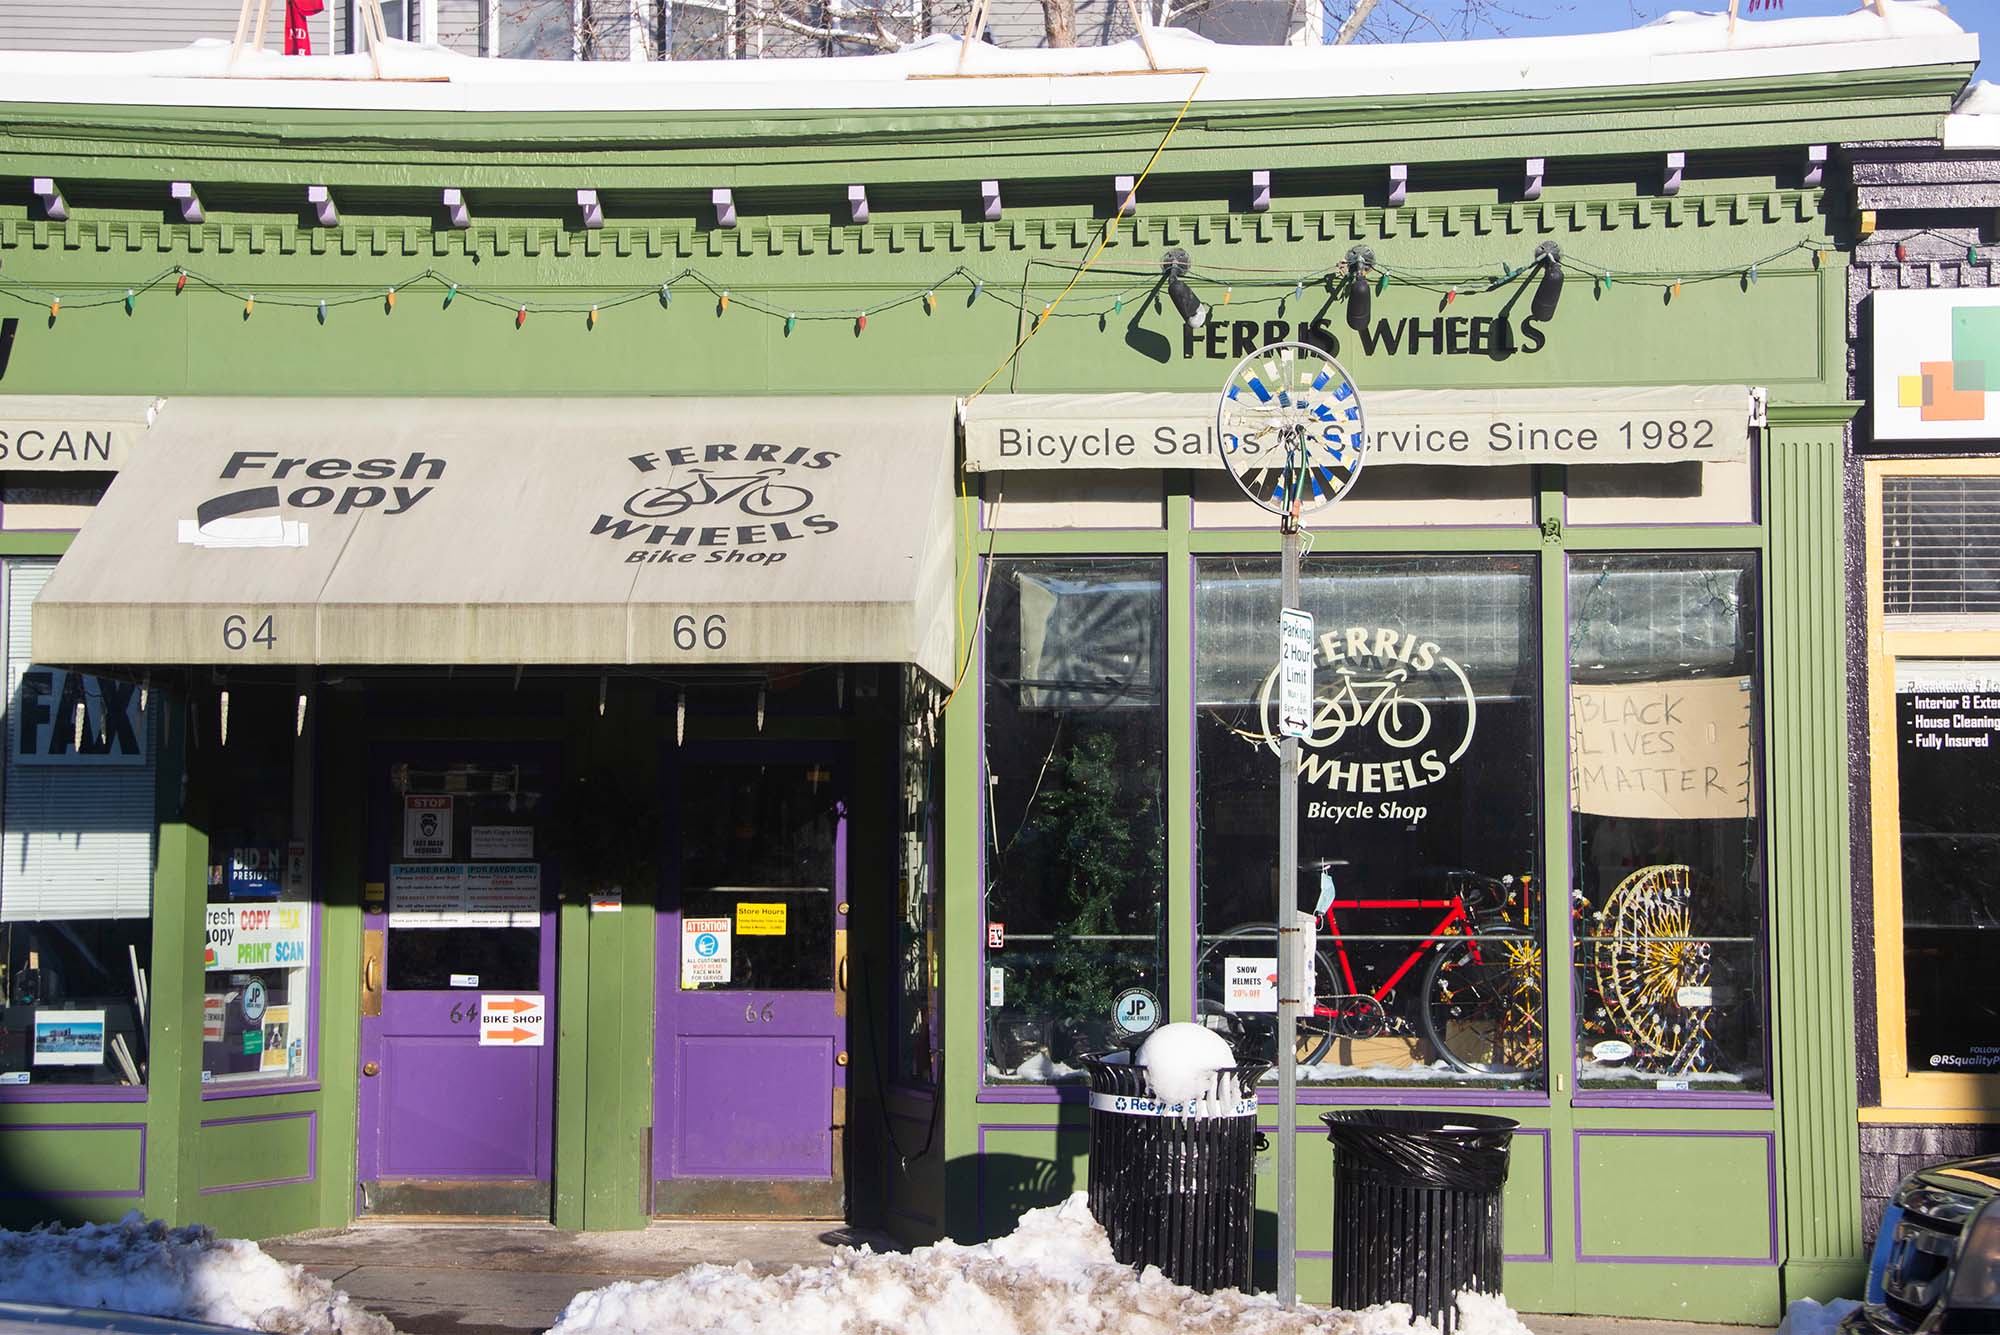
1811	950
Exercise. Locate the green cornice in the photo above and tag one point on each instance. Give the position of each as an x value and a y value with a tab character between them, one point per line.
1838	413
673	234
527	150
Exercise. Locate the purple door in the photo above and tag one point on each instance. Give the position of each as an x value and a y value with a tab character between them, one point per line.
751	1075
458	987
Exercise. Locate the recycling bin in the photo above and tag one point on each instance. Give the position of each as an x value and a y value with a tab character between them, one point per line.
1416	1207
1174	1183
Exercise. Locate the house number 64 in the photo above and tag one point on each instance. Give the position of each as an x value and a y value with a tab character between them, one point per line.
751	1015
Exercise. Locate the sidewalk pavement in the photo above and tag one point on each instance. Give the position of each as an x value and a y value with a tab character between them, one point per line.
484	1279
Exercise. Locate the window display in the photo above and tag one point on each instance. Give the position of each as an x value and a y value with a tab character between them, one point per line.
1419	800
76	881
1075	748
919	1045
1948	790
259	934
1665	755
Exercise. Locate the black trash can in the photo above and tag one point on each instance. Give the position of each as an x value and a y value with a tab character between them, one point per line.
1173	1184
1416	1207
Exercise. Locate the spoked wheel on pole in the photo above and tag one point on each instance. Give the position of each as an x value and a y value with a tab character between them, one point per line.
1653	976
1481	1003
1289	427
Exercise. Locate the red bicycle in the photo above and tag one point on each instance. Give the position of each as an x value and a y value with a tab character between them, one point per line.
1477	1000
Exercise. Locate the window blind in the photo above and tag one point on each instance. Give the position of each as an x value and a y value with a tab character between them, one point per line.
1940	545
77	837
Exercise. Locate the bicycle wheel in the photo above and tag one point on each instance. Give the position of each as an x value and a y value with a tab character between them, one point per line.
1315	1033
1482	1011
773	500
659	502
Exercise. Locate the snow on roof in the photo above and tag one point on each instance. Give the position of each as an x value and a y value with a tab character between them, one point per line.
1681	47
1975	121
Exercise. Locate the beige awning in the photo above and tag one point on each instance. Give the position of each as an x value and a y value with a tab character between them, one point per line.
519	531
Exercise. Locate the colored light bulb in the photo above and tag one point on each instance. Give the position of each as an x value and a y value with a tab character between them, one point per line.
590	321
1381	283
389	301
520	317
666	295
450	292
180	281
722	303
791	323
861	323
130	301
1227	293
978	286
55	307
1902	251
1451	296
249	305
930	302
322	311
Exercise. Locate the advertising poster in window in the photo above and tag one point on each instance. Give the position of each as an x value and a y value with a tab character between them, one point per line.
244	936
1948	786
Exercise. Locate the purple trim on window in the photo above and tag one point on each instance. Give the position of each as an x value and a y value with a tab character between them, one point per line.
309	1082
252	1088
1770	1196
312	1149
1548	1185
72	1094
1437	1096
1073	1091
140	1127
1640	1098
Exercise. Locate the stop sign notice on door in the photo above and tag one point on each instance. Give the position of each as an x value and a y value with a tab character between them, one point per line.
512	1020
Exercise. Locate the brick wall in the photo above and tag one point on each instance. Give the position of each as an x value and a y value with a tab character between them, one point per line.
1889	1152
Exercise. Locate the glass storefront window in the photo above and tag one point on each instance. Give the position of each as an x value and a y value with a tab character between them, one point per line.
1075	750
1948	802
256	1002
1665	762
1419	800
76	878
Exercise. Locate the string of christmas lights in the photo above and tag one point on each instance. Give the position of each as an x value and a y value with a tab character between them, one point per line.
1261	287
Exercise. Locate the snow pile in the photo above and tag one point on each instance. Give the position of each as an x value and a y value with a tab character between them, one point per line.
1975	119
1806	1317
1054	1275
142	1266
1181	1061
1682	48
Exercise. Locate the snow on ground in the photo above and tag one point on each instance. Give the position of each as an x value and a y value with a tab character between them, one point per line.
1054	1275
139	1265
1807	1317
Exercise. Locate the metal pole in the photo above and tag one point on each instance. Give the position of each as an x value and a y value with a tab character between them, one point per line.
1288	962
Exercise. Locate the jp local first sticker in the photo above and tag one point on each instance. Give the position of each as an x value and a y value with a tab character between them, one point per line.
704	951
512	1020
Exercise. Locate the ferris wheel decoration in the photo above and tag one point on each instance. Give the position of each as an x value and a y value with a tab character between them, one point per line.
1652	973
1290	429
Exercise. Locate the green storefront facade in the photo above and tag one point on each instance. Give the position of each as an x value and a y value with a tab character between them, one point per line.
1069	807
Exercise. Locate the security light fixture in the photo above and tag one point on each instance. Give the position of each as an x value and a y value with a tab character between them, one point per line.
1360	297
183	195
1549	291
54	207
1174	264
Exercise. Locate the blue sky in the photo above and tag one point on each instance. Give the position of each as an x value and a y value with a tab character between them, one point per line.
1524	18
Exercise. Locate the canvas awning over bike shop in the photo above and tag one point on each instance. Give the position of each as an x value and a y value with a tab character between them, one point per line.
517	531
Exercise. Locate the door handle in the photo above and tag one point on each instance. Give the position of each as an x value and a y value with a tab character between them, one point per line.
372	946
841	981
371	1068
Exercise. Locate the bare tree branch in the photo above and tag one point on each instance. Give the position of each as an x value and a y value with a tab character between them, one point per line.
1362	9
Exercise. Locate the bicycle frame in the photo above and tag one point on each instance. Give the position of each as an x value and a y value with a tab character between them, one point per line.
1457	921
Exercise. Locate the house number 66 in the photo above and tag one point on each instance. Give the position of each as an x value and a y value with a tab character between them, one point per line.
751	1015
